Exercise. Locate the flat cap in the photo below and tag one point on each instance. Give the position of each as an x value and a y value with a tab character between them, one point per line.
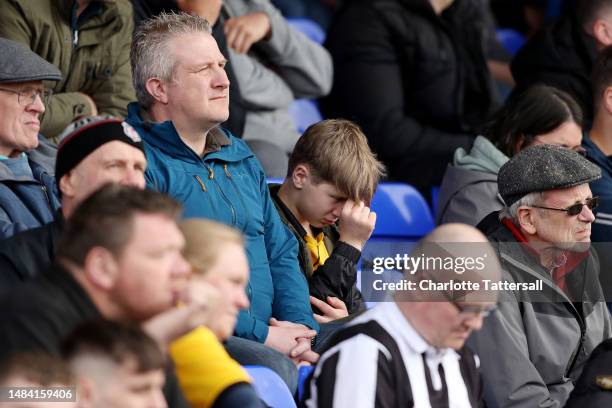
541	168
19	64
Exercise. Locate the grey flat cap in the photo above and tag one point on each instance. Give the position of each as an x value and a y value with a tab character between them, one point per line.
541	168
19	64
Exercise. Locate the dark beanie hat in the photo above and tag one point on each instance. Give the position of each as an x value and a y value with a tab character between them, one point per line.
543	167
81	138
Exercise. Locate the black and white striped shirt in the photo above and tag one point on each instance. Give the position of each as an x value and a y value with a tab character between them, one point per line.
379	360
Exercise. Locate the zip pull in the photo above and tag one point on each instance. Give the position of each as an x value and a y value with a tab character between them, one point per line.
201	183
211	173
75	37
227	173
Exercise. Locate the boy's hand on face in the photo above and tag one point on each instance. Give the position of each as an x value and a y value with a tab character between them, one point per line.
332	310
356	223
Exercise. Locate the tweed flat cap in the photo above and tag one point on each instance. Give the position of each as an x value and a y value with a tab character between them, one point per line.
541	168
19	64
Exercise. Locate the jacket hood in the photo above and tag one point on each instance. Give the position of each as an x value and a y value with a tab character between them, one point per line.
163	136
43	157
483	157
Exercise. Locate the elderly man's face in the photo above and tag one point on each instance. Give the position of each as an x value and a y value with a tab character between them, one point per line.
565	231
199	92
19	121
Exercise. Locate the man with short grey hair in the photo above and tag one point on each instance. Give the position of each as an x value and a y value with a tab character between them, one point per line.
537	343
183	98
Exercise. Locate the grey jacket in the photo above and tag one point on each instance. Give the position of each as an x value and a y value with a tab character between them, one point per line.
469	188
274	72
532	351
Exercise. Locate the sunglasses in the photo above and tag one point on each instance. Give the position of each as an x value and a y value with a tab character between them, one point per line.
574	209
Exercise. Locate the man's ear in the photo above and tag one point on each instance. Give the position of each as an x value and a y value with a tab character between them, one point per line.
158	89
67	184
86	390
525	217
301	174
602	31
101	268
606	100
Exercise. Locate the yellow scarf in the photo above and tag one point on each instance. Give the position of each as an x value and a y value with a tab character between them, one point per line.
318	251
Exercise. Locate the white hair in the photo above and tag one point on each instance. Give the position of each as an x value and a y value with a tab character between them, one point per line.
529	200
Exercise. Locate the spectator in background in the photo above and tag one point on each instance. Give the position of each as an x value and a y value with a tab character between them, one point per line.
94	151
331	180
119	259
598	145
563	54
409	350
115	365
40	370
413	74
542	235
216	176
208	375
89	41
541	114
28	195
594	385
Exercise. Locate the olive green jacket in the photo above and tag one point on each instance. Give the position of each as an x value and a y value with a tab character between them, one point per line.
94	60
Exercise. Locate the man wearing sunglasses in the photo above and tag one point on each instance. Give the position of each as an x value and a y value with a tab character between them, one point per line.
537	343
28	195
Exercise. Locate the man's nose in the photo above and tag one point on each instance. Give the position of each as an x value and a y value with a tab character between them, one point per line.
586	215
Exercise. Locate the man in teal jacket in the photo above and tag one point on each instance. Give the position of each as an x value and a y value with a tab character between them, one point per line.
183	97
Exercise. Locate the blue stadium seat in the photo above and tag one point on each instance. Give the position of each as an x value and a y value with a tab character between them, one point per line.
304	112
512	40
270	387
309	28
303	373
402	218
401	211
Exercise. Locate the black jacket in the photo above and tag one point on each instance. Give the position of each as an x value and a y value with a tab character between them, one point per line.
561	56
417	83
28	253
37	316
594	387
338	275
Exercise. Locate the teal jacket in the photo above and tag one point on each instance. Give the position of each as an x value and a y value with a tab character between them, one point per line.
228	185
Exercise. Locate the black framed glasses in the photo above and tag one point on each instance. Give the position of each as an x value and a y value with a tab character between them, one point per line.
28	96
574	209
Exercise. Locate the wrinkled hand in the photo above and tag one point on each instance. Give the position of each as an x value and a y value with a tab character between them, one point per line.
244	31
356	223
334	309
292	339
198	304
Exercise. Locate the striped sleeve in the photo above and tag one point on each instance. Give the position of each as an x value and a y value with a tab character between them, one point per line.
356	372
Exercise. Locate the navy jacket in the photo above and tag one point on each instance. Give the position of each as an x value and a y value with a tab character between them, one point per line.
29	202
228	185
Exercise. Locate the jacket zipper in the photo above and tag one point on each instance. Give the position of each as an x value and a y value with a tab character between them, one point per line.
211	176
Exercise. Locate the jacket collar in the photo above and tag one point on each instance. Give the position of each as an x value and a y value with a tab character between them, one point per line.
43	157
220	144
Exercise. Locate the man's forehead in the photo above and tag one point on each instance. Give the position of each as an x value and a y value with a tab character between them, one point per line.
578	192
23	85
